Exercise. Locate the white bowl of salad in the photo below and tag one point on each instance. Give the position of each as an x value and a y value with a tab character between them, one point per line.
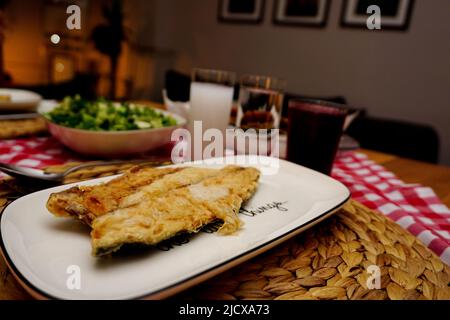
103	128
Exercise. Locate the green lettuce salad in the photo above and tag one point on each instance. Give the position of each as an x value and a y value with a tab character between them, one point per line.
105	115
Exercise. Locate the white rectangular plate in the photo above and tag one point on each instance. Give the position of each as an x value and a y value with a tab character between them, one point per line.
49	255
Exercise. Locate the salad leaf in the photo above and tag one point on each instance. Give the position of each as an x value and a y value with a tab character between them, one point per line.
105	115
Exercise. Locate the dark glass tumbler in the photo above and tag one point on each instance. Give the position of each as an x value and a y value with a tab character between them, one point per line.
314	131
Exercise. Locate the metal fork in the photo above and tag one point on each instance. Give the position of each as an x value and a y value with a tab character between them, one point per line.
36	174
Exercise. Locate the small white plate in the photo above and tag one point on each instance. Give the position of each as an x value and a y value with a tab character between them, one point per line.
46	254
20	100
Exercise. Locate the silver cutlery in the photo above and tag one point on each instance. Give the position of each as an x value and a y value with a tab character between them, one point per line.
36	174
19	116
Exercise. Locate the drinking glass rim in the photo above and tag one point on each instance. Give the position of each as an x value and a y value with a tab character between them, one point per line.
280	81
222	76
317	105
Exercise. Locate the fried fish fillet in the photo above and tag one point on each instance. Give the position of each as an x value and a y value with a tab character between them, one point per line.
152	218
89	202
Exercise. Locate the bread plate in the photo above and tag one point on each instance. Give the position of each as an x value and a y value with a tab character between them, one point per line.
17	100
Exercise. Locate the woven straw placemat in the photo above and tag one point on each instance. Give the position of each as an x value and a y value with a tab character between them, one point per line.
10	129
329	261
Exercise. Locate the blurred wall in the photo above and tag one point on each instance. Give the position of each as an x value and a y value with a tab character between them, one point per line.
147	62
402	75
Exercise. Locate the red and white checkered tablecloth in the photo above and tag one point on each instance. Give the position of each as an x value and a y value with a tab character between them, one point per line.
414	207
37	153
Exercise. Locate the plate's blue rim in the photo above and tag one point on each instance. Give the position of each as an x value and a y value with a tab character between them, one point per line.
22	278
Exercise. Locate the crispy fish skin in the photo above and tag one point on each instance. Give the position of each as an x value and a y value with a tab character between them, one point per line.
186	209
87	203
186	176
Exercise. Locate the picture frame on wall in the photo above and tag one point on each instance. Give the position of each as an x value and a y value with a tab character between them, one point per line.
309	13
241	11
395	14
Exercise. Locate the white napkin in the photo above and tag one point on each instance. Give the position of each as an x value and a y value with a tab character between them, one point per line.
177	107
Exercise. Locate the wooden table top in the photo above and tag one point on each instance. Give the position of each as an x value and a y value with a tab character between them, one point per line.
410	171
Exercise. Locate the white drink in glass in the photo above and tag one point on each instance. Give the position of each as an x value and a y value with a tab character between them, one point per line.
210	103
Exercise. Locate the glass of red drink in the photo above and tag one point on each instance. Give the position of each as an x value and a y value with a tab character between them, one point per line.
314	130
